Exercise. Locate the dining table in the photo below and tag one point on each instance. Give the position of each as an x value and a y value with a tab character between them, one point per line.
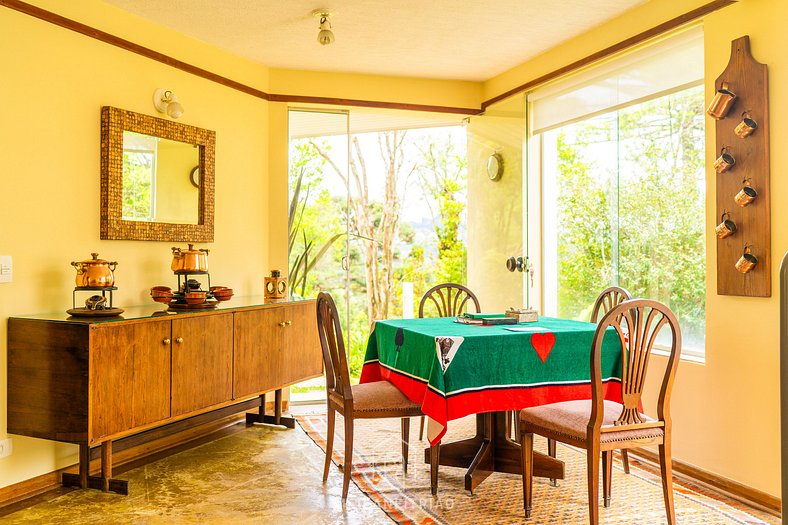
454	369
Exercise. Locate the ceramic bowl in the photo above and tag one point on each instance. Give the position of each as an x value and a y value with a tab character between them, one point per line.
224	294
195	297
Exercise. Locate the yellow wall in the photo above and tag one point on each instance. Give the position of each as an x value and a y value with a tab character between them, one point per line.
54	84
449	93
495	218
726	411
177	199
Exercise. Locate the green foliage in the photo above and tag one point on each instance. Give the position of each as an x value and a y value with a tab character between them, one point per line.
584	233
443	176
319	217
308	243
138	185
648	236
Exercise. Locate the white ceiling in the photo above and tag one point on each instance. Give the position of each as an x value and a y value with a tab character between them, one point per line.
448	39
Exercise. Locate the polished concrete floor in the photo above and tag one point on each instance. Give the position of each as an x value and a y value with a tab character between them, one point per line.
260	474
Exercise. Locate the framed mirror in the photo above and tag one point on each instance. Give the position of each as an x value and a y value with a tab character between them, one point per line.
148	169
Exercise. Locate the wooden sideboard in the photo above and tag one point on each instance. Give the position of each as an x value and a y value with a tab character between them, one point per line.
92	381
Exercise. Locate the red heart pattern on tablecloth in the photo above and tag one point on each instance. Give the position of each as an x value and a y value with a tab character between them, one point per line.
543	344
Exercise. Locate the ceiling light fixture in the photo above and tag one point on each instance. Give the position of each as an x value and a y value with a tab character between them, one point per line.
325	36
166	102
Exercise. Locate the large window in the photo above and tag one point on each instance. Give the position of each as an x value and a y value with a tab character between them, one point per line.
623	193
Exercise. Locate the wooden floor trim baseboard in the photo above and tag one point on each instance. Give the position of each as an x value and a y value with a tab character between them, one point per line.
738	491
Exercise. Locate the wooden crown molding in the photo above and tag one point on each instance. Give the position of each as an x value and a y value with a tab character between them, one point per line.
103	36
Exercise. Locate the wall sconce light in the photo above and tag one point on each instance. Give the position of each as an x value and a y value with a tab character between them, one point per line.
166	102
325	36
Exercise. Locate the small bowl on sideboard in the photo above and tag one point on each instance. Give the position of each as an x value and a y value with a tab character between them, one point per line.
195	297
222	293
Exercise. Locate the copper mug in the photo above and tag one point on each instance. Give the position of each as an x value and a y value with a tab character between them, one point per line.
747	125
725	161
726	228
747	261
746	195
721	103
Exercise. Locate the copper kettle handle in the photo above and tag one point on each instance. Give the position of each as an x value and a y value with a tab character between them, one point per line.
176	252
112	265
204	250
78	266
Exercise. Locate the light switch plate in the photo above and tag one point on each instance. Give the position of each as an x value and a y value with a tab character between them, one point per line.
5	447
6	269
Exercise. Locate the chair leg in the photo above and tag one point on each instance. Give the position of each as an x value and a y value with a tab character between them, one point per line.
607	476
552	451
329	441
625	460
405	438
666	470
421	428
434	460
527	448
348	465
593	483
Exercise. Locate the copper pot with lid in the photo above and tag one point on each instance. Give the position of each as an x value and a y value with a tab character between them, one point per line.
190	260
95	272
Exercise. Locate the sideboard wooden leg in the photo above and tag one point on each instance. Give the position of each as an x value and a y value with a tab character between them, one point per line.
278	406
106	465
276	419
104	482
84	465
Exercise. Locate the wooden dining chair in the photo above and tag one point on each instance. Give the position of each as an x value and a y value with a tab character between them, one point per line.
380	399
446	300
601	426
607	300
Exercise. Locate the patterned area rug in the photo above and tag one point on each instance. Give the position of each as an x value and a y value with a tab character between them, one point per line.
637	497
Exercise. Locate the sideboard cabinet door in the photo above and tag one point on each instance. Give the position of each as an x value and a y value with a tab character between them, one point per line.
129	376
202	362
259	336
302	357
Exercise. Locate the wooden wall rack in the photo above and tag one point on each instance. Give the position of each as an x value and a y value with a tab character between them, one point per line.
748	79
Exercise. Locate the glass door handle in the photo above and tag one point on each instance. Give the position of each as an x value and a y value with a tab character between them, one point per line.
344	263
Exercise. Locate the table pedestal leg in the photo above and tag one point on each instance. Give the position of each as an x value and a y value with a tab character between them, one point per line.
491	450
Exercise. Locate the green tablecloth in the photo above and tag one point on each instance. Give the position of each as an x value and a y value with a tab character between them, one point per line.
455	369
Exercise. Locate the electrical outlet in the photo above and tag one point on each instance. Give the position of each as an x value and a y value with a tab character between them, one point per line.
5	447
6	270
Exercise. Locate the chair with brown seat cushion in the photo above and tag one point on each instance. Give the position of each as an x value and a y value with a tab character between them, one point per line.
370	400
607	300
446	300
601	426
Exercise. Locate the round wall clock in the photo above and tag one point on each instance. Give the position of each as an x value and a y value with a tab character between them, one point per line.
495	166
194	176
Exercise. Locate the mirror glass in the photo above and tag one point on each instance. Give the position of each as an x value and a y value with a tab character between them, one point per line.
157	179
